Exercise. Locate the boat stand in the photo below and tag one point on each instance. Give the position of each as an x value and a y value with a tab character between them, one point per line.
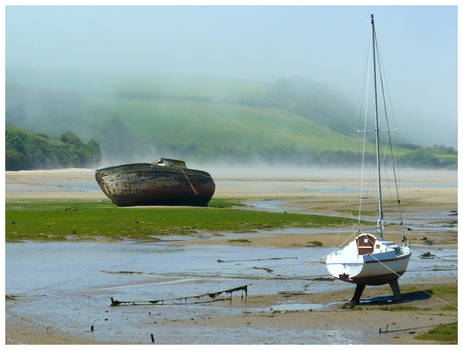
361	287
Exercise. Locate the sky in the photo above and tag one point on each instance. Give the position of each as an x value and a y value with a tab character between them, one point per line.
325	44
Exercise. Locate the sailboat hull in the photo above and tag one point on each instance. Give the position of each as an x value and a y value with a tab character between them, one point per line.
375	269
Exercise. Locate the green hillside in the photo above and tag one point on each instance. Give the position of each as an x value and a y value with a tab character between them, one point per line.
205	119
217	126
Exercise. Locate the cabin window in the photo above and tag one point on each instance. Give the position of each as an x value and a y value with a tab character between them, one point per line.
365	240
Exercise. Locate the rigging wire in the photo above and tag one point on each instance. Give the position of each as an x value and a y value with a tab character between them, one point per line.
394	120
388	131
362	167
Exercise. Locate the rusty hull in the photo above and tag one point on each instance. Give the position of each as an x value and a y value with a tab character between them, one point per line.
150	184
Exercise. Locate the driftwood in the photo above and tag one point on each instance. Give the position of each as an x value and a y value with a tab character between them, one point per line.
213	296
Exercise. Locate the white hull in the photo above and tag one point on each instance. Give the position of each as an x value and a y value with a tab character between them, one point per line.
369	271
378	267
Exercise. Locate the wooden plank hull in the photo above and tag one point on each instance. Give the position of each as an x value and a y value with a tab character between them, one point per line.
147	184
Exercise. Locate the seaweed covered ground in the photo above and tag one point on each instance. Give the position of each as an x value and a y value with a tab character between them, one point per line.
82	220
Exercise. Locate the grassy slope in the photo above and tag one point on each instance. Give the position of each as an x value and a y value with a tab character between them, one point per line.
226	126
233	121
183	122
246	125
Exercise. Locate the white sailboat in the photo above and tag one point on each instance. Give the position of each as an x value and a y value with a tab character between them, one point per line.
369	259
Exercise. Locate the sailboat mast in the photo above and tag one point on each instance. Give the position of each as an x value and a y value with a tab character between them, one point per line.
378	163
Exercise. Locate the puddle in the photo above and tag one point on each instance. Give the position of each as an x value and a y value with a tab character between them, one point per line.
304	307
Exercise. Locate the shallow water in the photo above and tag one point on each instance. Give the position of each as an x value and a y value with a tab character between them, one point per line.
71	286
290	306
438	221
53	186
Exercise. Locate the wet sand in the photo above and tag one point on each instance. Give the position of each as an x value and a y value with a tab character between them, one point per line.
366	320
428	186
288	240
22	330
427	199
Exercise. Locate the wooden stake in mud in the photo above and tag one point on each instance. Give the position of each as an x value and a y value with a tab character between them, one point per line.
152	337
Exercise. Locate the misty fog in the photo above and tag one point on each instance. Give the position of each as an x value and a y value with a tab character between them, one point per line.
84	68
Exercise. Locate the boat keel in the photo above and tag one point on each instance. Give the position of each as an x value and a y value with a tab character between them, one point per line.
396	291
358	292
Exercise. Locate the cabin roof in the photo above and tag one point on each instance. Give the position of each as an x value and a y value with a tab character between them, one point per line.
171	162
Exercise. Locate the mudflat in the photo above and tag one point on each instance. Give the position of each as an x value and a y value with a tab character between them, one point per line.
429	201
399	323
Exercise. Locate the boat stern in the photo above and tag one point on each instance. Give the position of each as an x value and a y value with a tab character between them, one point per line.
344	264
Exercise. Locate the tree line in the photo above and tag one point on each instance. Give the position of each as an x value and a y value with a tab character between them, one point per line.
26	150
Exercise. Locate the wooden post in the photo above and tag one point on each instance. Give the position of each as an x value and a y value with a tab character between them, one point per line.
152	337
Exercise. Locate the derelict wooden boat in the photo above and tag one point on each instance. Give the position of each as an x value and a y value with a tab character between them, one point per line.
165	182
